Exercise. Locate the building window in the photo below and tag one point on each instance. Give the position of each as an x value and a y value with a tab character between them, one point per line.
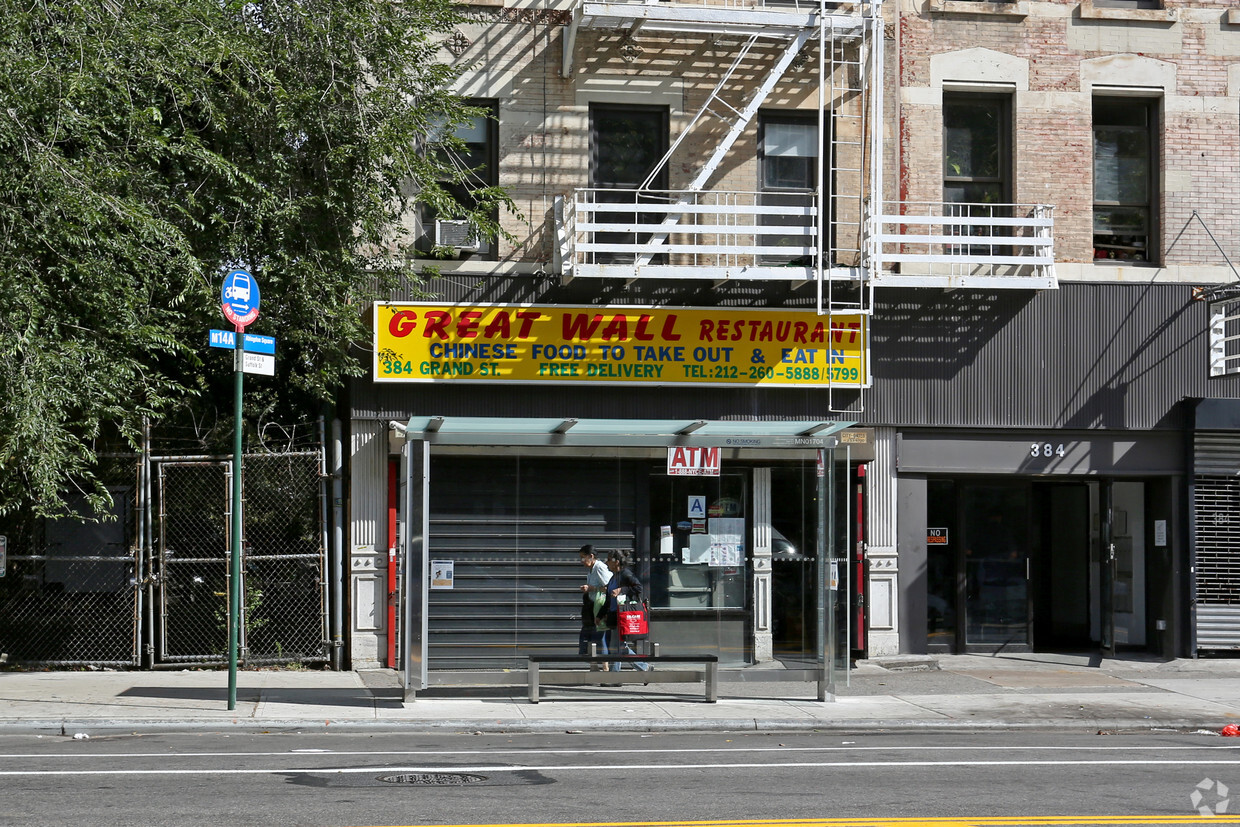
627	144
480	157
976	158
1124	191
1128	4
788	177
977	139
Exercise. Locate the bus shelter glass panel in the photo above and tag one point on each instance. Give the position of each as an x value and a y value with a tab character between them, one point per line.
503	572
503	540
699	564
833	564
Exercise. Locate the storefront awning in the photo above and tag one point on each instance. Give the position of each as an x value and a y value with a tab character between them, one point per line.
497	430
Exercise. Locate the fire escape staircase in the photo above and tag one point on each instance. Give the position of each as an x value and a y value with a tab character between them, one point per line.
702	233
846	239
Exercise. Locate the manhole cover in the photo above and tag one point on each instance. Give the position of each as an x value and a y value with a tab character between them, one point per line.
433	779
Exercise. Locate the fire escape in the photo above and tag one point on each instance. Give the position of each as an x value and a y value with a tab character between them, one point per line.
843	238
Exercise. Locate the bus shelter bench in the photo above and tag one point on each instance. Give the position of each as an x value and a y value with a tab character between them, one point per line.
708	671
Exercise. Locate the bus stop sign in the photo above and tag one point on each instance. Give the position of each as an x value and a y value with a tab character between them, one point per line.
240	298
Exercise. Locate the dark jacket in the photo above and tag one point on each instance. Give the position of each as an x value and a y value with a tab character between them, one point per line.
630	588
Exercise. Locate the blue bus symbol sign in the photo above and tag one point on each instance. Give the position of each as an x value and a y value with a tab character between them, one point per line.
240	298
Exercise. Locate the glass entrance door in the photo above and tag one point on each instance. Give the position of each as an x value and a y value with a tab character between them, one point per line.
977	585
1123	575
810	574
994	529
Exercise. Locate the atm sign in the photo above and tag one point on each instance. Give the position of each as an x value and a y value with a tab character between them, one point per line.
936	536
692	462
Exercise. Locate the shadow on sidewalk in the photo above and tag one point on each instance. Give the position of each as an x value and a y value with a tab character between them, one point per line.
282	695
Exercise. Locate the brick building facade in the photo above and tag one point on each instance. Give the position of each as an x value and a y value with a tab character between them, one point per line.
1009	379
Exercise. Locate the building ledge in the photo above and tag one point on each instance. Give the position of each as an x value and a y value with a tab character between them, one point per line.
1091	12
1233	17
983	7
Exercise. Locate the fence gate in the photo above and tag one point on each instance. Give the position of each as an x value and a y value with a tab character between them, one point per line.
192	564
284	586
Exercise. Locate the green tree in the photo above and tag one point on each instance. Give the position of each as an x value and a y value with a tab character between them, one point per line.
149	145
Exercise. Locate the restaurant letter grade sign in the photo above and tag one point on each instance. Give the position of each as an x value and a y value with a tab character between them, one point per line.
623	345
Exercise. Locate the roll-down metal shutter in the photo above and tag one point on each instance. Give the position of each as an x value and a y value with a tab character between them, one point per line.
512	526
1216	538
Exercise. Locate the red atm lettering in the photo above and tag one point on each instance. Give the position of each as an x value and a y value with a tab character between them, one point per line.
690	461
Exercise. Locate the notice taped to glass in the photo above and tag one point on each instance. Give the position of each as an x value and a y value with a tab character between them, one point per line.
621	345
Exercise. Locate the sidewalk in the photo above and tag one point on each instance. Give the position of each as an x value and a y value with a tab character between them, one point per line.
940	693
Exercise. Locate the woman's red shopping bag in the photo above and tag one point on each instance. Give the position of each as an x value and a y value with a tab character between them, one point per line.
633	621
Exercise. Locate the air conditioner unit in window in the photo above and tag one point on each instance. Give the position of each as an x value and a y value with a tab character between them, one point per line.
460	235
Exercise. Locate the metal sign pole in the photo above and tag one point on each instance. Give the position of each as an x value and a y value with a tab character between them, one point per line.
234	568
239	301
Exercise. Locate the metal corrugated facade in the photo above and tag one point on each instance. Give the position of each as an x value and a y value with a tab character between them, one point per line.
1113	356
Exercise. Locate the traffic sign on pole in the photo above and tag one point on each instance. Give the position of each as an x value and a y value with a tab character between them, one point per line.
254	343
240	298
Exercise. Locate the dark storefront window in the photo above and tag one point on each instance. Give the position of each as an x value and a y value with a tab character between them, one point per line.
995	543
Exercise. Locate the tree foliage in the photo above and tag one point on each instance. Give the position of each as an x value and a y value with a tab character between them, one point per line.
149	145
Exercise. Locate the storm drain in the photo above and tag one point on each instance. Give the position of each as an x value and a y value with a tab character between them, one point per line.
433	779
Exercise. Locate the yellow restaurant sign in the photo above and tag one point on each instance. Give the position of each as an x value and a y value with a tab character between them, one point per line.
623	344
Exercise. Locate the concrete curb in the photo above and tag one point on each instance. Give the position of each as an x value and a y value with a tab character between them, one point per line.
68	727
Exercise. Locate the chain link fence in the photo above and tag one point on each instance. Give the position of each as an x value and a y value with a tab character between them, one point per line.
70	594
192	499
153	579
285	601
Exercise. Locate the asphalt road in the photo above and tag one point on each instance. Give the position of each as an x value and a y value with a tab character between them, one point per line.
405	779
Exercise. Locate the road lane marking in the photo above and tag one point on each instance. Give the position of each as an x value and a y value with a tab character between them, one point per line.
988	821
550	768
611	751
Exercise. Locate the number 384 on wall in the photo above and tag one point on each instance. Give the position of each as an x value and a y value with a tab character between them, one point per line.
1046	449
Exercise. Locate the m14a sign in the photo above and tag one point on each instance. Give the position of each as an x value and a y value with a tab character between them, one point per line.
692	462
